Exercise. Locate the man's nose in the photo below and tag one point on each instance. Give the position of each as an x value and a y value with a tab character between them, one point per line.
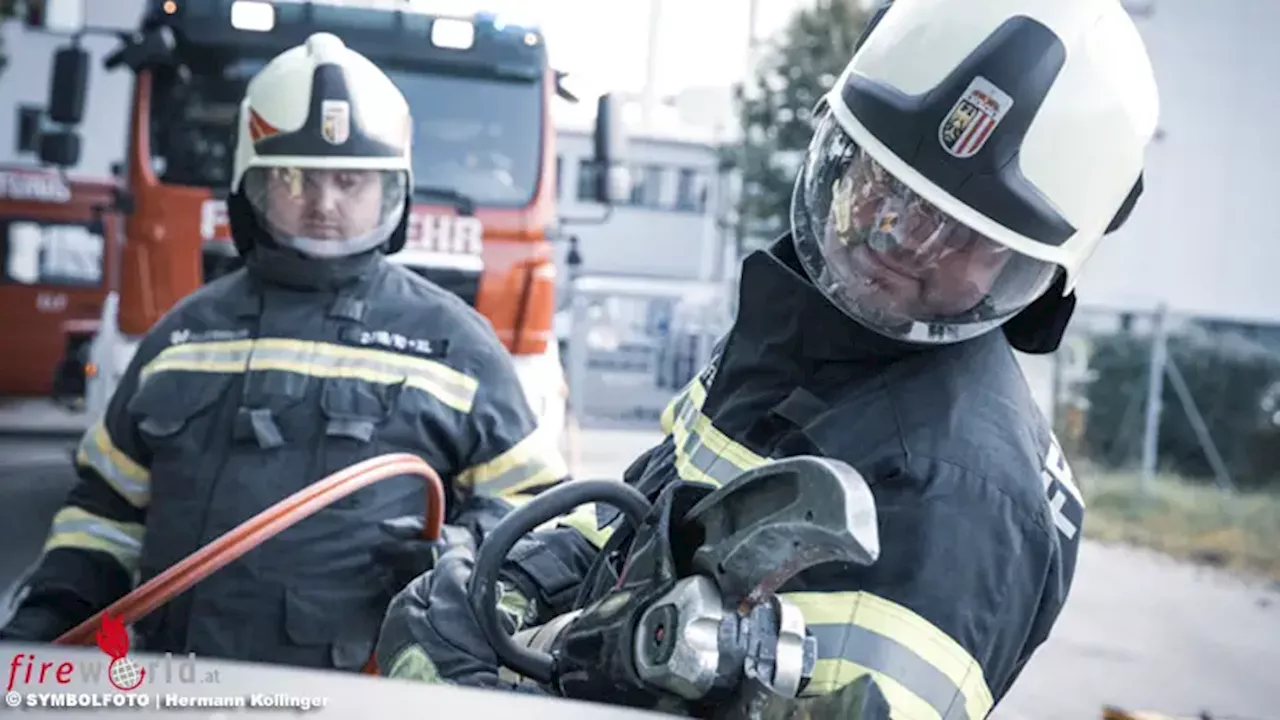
324	197
914	231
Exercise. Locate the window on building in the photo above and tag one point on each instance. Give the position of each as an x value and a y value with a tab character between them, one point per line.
691	191
586	180
646	188
559	174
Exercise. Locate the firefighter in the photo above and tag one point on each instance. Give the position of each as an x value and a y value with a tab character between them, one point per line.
318	354
962	169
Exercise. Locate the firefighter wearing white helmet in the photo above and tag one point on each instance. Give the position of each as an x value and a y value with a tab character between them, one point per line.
962	164
965	165
316	355
323	160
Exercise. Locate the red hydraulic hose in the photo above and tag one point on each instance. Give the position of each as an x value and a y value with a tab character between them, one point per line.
258	529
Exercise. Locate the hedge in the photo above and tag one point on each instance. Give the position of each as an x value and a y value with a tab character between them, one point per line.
1235	384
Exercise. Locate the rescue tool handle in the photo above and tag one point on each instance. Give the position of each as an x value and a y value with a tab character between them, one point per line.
262	527
483	591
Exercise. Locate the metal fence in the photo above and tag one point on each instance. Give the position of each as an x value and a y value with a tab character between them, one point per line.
633	342
1164	391
1154	391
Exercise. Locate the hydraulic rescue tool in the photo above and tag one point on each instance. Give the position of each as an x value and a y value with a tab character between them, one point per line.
692	622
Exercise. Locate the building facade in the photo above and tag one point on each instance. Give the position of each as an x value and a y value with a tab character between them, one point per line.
1201	240
668	227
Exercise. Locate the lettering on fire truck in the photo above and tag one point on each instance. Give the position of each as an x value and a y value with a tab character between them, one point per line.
40	187
446	234
426	233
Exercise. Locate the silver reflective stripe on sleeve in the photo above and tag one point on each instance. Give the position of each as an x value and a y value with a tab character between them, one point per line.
75	527
99	453
703	452
923	672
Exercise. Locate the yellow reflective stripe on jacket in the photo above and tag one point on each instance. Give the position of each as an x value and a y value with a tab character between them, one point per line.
586	521
583	518
322	360
923	672
531	463
413	663
77	528
703	453
99	453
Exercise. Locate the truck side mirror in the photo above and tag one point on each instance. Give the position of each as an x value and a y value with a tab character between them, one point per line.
60	17
612	181
69	85
142	50
60	149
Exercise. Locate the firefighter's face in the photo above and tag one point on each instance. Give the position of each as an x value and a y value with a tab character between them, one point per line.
901	258
325	204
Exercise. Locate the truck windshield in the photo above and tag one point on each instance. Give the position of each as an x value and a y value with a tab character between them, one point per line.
478	136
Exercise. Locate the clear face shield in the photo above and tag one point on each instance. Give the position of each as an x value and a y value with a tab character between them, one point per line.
327	213
895	262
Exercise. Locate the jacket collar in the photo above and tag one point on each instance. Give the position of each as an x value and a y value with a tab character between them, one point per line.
778	305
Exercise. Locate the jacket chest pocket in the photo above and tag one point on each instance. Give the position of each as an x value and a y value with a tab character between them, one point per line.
179	423
359	420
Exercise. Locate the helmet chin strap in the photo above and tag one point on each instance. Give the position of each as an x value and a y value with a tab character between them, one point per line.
1038	329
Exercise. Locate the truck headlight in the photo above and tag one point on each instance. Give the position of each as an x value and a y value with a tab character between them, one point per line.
453	33
253	16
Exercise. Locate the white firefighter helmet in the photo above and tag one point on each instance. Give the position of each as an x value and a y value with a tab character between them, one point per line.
971	153
323	155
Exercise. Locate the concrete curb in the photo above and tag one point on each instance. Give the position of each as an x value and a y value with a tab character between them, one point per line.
39	418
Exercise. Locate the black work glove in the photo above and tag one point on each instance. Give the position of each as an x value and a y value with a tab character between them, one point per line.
405	554
44	621
35	624
431	634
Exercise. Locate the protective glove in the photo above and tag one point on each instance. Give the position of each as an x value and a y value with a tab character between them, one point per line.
34	624
405	554
43	618
430	633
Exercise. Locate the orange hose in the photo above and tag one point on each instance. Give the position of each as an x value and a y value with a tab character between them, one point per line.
261	527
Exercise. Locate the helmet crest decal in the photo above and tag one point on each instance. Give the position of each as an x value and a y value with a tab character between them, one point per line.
973	118
335	121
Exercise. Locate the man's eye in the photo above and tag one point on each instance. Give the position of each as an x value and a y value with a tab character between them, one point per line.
347	181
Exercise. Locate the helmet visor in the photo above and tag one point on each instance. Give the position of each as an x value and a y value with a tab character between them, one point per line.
327	213
896	262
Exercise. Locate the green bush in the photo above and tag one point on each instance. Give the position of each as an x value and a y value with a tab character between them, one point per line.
1228	379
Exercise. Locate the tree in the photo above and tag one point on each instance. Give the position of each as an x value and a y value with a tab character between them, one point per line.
9	9
775	109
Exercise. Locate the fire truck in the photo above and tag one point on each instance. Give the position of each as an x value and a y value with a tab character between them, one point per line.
480	89
53	275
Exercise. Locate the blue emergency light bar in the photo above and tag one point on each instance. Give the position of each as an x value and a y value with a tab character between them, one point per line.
400	32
